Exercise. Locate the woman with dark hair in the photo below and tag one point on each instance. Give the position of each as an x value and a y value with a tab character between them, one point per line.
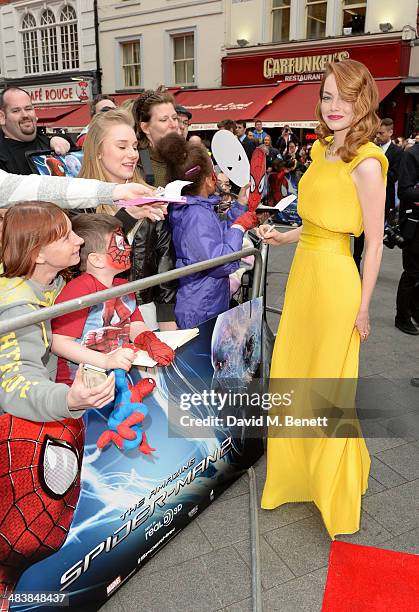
37	244
326	308
155	116
198	234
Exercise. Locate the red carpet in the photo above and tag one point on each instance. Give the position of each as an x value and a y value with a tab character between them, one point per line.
366	579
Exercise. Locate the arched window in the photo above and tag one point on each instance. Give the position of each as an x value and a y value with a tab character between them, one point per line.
30	44
49	42
69	38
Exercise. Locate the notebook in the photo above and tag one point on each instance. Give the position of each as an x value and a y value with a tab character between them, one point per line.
282	204
174	339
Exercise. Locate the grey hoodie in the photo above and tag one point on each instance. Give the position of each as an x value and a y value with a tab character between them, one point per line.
27	367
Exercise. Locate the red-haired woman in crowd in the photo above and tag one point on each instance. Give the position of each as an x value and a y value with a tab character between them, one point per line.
37	244
326	309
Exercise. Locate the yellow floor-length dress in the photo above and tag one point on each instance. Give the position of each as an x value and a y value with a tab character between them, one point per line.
317	339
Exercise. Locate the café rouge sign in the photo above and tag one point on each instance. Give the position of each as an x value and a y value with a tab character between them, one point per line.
273	67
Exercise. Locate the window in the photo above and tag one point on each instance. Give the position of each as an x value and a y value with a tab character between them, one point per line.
30	44
281	20
354	15
184	59
69	38
50	45
131	64
316	11
49	42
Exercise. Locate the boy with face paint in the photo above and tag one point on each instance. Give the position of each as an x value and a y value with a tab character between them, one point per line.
100	335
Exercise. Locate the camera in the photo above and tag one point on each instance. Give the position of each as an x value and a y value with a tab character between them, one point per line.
392	237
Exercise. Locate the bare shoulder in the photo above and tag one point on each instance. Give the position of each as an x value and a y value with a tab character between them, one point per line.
367	169
369	164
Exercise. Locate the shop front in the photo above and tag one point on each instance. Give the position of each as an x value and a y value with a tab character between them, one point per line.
302	64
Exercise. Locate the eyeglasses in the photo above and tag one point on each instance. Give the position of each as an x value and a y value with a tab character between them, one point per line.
185	123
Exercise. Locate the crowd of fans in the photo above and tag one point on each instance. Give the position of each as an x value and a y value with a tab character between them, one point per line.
146	142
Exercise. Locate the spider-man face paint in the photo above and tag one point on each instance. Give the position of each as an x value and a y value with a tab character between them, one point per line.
119	252
40	485
257	178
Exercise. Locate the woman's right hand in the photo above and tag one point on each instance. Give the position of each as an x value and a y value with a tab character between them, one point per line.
121	358
269	235
155	211
132	191
80	397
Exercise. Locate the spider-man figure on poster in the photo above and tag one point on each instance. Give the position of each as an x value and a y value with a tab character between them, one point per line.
125	421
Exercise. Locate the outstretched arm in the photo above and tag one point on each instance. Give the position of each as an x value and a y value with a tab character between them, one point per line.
370	186
70	193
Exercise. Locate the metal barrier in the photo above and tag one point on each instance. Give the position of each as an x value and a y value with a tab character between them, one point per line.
259	276
100	296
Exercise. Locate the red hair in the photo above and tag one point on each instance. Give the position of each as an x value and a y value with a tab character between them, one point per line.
27	228
356	85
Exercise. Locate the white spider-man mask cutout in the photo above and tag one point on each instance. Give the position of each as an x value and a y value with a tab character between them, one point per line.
230	156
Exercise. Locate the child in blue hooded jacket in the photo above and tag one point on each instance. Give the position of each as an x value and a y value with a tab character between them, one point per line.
199	234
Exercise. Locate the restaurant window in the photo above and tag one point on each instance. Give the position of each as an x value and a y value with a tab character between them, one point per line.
69	38
354	16
316	11
30	44
281	20
183	58
131	64
49	42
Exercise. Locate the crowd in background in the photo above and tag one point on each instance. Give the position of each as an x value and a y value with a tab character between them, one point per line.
153	116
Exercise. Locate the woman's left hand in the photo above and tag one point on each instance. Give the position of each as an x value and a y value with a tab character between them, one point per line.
362	324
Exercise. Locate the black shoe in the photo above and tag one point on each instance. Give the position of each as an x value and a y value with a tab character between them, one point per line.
406	326
414	382
415	317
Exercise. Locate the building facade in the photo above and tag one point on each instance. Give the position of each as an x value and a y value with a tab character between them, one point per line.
178	43
49	48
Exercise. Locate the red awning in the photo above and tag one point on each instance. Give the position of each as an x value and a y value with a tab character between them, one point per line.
48	115
296	106
386	86
209	106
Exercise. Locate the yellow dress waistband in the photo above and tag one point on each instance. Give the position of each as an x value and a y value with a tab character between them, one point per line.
317	238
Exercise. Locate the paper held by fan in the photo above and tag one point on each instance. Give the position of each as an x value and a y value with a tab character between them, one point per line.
282	204
170	193
174	339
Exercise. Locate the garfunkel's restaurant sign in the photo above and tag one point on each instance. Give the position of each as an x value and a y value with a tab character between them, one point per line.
303	68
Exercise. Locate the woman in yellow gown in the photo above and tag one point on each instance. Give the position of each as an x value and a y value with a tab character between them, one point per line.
325	314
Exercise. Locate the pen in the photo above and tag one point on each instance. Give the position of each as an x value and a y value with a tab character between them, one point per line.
270	230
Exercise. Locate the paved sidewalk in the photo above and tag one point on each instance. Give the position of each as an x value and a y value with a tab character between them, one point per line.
207	566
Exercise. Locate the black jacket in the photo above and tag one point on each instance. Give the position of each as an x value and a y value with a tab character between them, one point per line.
408	190
12	152
393	155
152	253
249	146
282	146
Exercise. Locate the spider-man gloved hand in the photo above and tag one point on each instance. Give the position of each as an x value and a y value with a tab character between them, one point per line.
247	221
157	350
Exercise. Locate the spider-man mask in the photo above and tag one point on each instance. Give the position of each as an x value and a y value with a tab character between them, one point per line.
257	178
40	485
119	252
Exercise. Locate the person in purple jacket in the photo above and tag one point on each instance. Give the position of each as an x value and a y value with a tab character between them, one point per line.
198	233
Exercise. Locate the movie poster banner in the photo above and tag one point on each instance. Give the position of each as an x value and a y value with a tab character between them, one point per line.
79	518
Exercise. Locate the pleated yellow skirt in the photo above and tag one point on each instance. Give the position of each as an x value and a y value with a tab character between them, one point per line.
317	339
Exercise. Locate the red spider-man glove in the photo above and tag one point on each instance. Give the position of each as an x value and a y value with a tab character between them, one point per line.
247	221
157	350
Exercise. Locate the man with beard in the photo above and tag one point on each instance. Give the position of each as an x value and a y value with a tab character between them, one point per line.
19	134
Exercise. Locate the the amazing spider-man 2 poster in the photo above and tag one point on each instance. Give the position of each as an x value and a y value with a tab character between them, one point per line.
78	518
